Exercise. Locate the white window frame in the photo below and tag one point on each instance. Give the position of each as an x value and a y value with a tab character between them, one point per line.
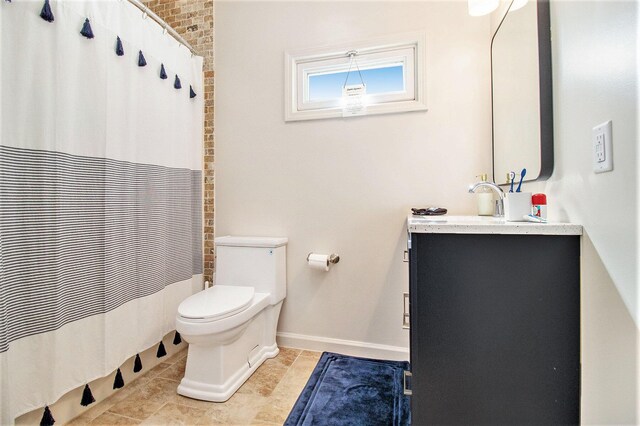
405	49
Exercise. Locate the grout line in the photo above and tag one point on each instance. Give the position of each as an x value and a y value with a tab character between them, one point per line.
273	391
190	407
296	358
168	380
156	412
121	415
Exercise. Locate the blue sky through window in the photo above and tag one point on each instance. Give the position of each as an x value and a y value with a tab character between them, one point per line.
378	80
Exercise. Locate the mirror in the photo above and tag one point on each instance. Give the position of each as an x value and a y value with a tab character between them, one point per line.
521	93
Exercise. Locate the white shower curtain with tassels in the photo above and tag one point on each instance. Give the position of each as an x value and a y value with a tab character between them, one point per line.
100	194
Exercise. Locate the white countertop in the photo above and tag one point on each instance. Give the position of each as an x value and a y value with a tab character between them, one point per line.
446	224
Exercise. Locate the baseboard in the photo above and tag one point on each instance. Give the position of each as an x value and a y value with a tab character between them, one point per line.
347	347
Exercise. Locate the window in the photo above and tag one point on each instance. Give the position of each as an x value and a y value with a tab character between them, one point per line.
390	69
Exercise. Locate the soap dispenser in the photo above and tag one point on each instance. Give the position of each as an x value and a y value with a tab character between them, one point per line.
486	205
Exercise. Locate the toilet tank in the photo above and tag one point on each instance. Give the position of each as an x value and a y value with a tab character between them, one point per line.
258	262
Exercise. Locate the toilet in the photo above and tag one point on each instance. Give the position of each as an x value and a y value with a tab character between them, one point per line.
231	326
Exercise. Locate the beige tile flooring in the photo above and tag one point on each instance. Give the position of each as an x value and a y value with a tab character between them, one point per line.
265	399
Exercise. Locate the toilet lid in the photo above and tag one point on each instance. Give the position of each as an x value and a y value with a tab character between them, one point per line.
219	301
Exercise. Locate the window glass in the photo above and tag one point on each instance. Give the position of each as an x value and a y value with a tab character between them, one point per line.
380	80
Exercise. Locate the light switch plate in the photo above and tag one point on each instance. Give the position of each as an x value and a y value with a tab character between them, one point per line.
602	148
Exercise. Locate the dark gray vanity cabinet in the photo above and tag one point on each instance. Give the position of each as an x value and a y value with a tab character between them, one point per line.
495	329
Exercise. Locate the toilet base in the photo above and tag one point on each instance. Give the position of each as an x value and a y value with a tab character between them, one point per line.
220	393
218	365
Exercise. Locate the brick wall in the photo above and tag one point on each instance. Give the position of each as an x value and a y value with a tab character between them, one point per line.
193	20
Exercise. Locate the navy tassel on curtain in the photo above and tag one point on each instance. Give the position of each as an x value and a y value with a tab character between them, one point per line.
86	29
163	73
46	12
119	48
161	350
176	339
87	397
118	382
176	83
137	365
47	418
192	94
141	60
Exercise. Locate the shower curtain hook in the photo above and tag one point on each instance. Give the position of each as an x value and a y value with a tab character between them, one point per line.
164	29
144	14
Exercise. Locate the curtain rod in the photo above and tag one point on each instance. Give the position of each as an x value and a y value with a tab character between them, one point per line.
163	24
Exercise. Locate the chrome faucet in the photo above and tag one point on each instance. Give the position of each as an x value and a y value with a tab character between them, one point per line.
499	211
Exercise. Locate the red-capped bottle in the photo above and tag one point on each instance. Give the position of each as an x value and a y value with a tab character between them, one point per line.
539	205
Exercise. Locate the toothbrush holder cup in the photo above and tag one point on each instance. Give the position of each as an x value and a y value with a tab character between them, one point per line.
516	206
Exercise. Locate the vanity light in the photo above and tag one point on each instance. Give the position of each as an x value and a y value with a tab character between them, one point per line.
482	7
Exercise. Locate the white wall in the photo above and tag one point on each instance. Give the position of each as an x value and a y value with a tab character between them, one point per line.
595	79
345	185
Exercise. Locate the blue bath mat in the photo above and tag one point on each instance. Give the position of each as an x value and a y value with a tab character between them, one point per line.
345	390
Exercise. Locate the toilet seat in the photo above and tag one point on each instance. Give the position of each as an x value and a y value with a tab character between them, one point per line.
217	302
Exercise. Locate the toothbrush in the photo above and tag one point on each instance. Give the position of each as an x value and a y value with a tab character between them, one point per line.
512	178
533	218
522	174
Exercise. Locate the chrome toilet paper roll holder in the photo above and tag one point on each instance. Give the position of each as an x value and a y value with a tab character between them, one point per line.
333	258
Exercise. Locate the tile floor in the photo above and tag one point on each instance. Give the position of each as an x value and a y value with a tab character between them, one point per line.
265	399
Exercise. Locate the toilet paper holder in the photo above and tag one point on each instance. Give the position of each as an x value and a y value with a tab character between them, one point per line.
333	258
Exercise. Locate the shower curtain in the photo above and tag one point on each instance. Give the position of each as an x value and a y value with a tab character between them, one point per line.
100	192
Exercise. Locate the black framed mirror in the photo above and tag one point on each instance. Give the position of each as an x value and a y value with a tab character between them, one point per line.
521	92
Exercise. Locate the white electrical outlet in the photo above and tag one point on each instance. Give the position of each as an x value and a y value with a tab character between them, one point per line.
602	148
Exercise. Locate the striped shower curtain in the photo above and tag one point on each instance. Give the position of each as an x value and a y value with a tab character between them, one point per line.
100	193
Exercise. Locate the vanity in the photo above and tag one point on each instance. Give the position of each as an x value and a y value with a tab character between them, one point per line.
494	321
